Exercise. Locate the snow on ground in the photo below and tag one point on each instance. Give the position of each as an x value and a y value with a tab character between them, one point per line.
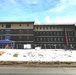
38	55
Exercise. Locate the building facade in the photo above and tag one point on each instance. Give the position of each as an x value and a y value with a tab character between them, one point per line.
51	36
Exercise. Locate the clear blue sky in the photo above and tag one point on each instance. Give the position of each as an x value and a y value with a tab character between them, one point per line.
40	11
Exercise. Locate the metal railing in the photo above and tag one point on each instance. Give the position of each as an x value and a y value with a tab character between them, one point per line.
45	46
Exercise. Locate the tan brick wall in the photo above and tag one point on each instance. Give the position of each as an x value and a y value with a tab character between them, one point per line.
2	27
52	29
17	26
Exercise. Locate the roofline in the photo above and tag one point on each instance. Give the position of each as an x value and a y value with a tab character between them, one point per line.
3	22
53	24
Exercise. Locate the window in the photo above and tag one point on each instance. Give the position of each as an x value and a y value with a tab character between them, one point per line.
54	39
47	33
37	33
46	27
61	33
48	39
7	31
40	33
27	30
2	25
57	33
50	33
53	27
58	39
69	39
51	39
61	27
27	37
40	39
73	45
63	45
20	25
1	37
44	39
50	28
20	31
40	27
62	39
19	37
54	33
59	44
8	25
72	39
7	37
71	33
57	27
68	33
36	27
1	32
27	24
43	33
43	27
37	39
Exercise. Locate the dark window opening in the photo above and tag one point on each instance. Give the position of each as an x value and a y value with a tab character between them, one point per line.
20	24
27	24
7	37
47	27
43	27
8	25
36	27
50	28
40	27
7	31
2	25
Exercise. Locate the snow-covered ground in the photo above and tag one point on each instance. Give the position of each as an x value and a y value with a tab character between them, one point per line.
38	55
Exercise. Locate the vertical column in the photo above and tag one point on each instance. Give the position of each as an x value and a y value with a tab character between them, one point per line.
66	38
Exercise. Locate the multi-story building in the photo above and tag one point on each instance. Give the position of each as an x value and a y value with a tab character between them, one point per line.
46	36
55	35
21	32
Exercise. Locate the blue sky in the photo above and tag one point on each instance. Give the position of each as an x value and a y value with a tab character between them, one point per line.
39	11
